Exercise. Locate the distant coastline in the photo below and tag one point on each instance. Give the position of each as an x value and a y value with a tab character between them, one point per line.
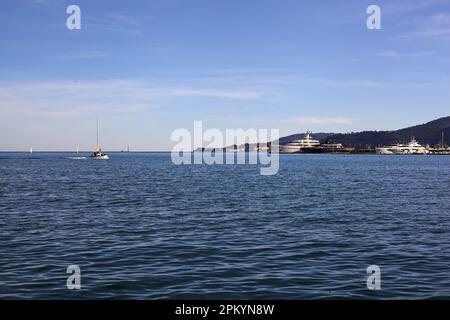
434	134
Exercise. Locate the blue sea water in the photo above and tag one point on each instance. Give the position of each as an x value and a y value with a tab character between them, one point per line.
140	227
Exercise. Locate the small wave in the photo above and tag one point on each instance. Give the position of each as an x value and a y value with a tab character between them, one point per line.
76	158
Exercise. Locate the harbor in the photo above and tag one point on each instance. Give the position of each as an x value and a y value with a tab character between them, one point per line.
309	145
413	147
425	139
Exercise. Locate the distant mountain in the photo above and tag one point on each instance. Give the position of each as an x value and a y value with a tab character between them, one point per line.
427	133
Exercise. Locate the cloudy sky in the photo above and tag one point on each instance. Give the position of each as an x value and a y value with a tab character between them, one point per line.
146	68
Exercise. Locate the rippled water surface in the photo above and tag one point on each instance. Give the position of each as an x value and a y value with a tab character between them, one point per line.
140	227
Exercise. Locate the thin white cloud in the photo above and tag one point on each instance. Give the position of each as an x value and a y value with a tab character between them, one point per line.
115	17
432	33
344	82
396	54
40	2
323	120
403	6
219	93
114	96
434	26
115	22
85	54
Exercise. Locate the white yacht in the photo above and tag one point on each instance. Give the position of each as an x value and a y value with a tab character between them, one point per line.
413	147
386	149
307	144
98	154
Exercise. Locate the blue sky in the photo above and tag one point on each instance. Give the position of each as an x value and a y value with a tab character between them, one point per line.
146	68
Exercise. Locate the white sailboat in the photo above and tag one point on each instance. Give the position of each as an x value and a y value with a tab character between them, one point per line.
98	154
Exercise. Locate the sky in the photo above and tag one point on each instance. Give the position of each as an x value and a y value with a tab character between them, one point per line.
148	67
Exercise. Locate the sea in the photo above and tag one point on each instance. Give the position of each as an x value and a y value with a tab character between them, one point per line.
140	227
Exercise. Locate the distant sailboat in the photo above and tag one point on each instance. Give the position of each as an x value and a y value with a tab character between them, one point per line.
31	150
77	157
97	154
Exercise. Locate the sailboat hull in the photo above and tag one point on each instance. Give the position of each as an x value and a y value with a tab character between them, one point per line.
101	157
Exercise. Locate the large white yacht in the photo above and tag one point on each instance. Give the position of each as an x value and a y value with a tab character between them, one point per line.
307	144
386	149
98	154
412	147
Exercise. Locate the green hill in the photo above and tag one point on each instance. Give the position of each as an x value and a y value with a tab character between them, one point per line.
427	133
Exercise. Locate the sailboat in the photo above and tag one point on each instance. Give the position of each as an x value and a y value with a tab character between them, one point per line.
78	157
98	154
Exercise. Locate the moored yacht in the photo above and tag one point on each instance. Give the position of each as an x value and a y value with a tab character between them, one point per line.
333	147
413	147
386	150
307	144
98	154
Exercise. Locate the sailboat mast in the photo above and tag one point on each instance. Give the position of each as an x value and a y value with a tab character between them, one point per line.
98	143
